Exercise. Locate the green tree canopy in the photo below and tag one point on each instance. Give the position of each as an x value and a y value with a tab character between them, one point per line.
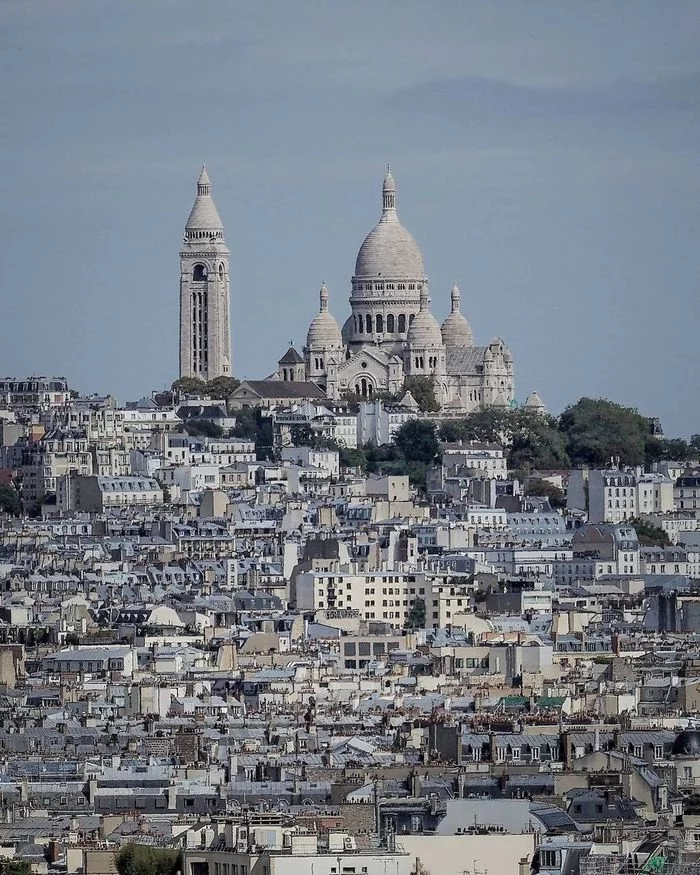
597	430
222	387
416	615
648	534
204	428
531	440
417	441
423	390
9	499
135	859
544	489
189	386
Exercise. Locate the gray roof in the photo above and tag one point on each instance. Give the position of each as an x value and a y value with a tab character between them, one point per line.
465	359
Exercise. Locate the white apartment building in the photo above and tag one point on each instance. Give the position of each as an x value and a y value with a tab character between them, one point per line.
487	460
616	495
528	562
670	560
112	462
308	457
181	449
33	392
93	494
189	478
324	418
276	850
597	550
686	492
480	517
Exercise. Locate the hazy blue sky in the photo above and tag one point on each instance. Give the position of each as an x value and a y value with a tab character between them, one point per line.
546	156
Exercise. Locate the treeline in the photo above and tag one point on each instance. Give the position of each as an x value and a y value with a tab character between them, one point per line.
589	433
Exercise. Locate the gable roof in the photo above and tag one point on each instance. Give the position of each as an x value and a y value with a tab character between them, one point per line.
278	389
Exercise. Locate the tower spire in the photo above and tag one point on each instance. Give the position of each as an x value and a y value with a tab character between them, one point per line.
388	195
323	296
203	183
456	295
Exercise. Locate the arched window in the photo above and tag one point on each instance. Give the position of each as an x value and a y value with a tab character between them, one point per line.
221	271
390	323
368	323
360	324
411	318
199	273
402	323
380	323
354	321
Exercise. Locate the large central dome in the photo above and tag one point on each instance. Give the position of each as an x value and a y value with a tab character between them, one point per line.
389	250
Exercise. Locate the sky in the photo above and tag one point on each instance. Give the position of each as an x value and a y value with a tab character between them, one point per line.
545	154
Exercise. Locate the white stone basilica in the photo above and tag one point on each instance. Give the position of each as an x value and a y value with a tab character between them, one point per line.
391	333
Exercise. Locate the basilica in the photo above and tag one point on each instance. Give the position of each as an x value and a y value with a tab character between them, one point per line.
392	334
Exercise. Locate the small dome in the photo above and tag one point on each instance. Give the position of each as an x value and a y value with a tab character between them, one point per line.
424	330
687	743
324	331
456	331
534	402
389	250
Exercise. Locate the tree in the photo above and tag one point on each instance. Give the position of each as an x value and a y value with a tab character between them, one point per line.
423	390
246	427
9	500
15	867
416	615
350	457
648	534
204	428
694	443
544	489
531	440
222	387
598	430
135	859
417	441
189	386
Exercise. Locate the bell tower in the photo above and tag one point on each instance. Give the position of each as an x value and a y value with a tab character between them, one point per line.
205	322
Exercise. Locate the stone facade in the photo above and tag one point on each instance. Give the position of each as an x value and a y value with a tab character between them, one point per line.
391	333
205	323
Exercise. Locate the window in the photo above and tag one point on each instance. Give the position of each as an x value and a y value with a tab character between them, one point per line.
548	859
658	751
390	323
199	273
402	323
